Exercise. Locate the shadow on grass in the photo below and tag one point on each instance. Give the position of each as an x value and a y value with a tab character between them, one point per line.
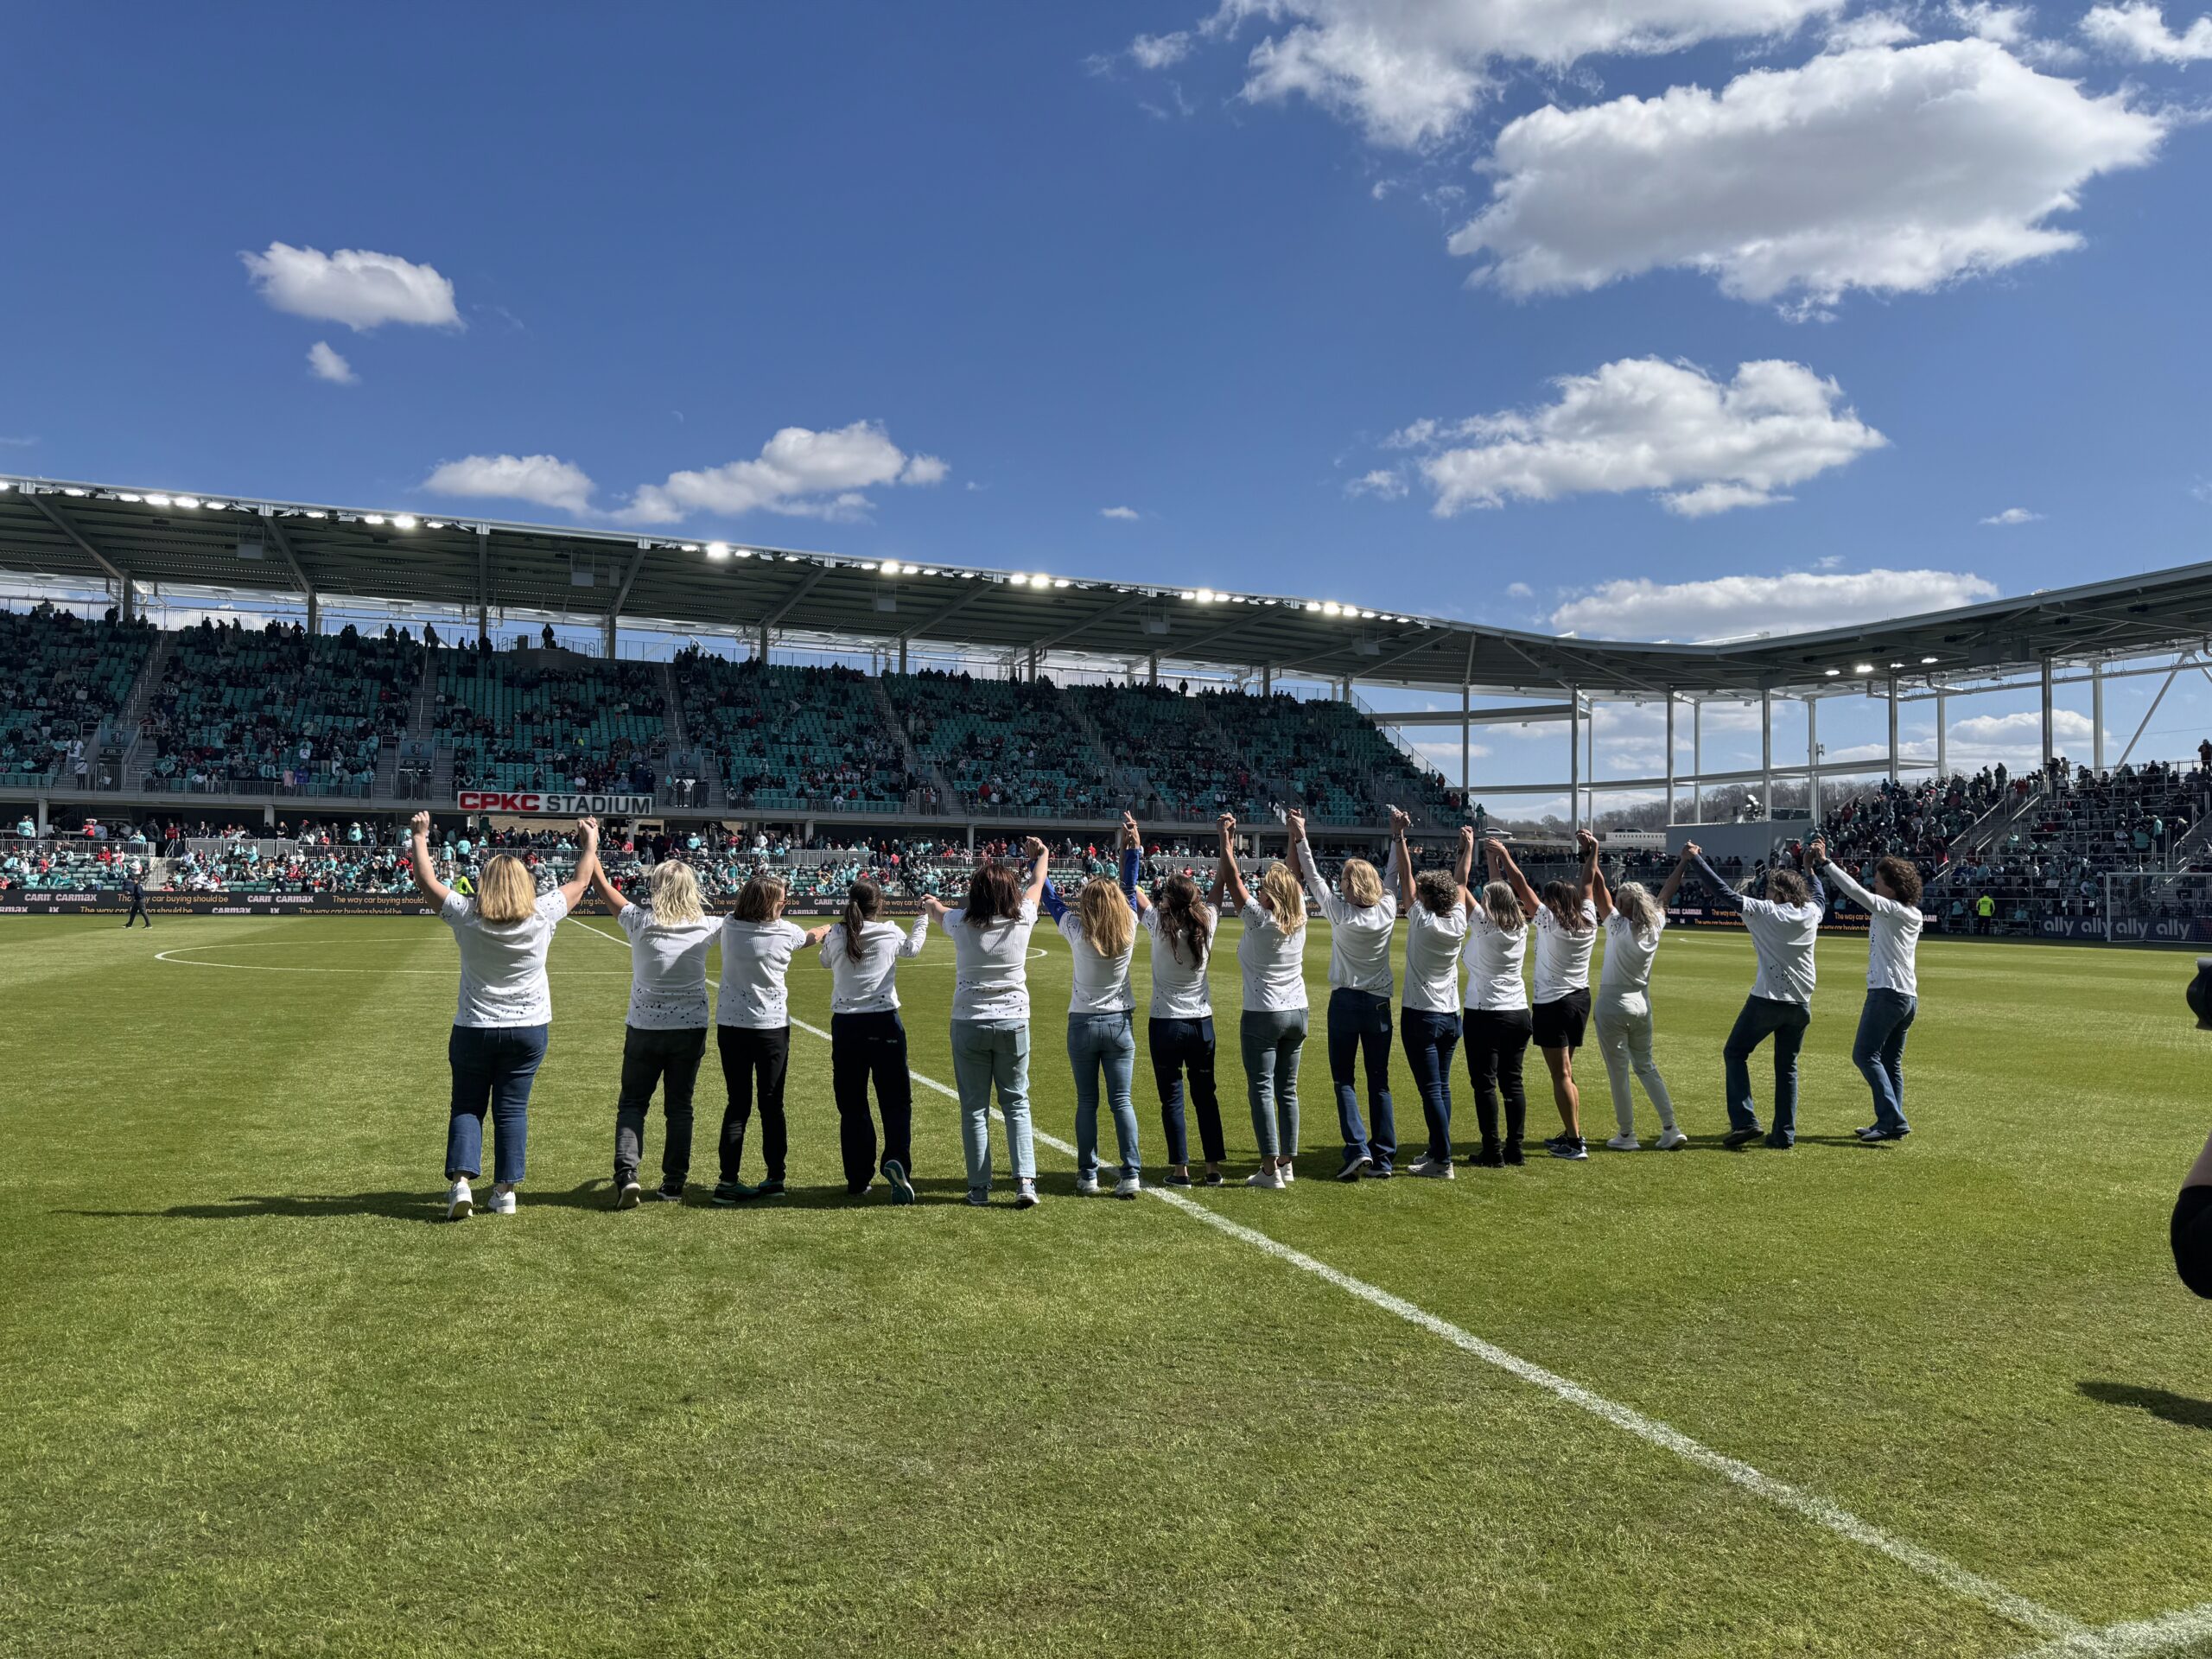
2176	1409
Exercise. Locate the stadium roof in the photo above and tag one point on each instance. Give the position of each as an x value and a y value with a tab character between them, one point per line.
98	533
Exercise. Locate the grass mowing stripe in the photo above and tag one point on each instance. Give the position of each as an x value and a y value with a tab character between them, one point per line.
2031	1615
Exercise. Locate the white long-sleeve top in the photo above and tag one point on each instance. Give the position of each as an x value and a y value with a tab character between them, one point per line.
1893	935
1273	961
1784	935
1359	935
1180	988
864	973
1100	984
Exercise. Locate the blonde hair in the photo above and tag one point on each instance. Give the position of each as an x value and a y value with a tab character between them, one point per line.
759	900
1103	912
1637	907
1284	897
506	893
676	892
1502	908
1360	883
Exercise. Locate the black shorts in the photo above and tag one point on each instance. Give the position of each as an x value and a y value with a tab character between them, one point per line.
1560	1023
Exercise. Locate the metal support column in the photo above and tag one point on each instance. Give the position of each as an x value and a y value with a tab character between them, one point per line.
2097	715
607	635
1670	760
1893	731
1033	665
1153	677
902	653
1697	761
1813	763
1766	751
1942	733
315	614
2050	743
483	585
1574	757
764	643
1466	739
1266	679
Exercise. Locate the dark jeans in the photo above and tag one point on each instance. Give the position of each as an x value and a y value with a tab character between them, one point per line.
668	1059
493	1066
865	1047
137	913
751	1053
1429	1039
1764	1017
1497	1042
1879	1052
1177	1046
1359	1027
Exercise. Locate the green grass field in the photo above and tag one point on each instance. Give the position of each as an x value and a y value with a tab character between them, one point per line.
257	1401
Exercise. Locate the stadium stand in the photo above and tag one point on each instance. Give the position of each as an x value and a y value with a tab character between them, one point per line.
61	678
548	720
792	738
1006	748
1175	761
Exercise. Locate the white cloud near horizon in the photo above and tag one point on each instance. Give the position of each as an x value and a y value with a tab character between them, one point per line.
1382	483
1893	170
363	291
2138	32
799	473
1734	608
1119	513
326	363
1704	445
543	481
2010	517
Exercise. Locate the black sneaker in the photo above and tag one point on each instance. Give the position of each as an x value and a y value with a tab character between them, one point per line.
1874	1132
1380	1171
1740	1137
1213	1178
1511	1154
902	1189
1569	1147
770	1188
730	1193
627	1192
1175	1180
1355	1165
665	1194
1488	1157
1780	1141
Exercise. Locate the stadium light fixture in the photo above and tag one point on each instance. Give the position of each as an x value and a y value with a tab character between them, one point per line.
1897	664
1862	667
192	501
157	500
1926	660
718	550
1832	673
216	507
1059	582
404	521
72	491
316	512
1205	596
743	552
435	524
119	495
373	518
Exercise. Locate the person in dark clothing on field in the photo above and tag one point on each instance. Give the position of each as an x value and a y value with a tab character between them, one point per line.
135	891
2192	1225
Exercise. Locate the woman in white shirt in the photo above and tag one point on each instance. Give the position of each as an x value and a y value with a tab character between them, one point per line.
1101	929
1633	921
1566	930
1784	927
869	1041
990	1016
1893	924
1180	1030
1362	917
752	1031
1495	1023
1436	906
665	1038
1271	1031
505	1011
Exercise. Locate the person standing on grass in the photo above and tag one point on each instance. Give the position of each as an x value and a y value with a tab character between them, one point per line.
1180	1031
1633	920
1436	905
1566	930
752	1031
869	1041
1784	926
135	891
1271	1032
990	1016
505	1009
1496	1022
1893	924
1362	917
665	1038
1101	929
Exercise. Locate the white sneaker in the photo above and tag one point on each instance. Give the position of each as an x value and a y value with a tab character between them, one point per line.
1127	1187
1287	1174
1430	1169
1266	1180
1025	1195
459	1200
503	1204
1086	1186
1671	1138
1625	1143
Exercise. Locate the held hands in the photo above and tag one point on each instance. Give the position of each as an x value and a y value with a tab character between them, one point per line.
1131	834
1032	849
1295	819
1690	850
1493	850
588	828
934	907
1467	837
1584	843
1401	821
1817	851
1227	822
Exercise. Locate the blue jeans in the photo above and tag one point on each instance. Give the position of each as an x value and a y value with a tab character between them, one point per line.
1879	1052
984	1056
1430	1039
493	1066
1764	1017
1359	1028
1272	1042
1181	1045
1108	1043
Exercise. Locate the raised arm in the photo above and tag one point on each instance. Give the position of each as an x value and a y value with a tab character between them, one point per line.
1672	884
1040	860
1132	858
1463	864
917	937
1400	821
1723	894
418	862
608	893
1502	865
1600	895
934	909
1230	879
1302	866
1817	854
1585	875
586	861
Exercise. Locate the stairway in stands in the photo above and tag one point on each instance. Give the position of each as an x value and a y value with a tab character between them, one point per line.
138	756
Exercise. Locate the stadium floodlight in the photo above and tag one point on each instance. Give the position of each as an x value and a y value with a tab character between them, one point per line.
1204	595
1059	582
188	501
216	507
1862	667
120	495
433	523
718	550
72	491
1329	608
743	552
1831	672
157	500
373	518
316	512
1926	660
404	521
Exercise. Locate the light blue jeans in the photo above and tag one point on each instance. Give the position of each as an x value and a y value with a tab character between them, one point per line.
1271	1043
984	1056
1105	1042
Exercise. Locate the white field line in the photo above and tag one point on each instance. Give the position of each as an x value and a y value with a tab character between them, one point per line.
2071	1638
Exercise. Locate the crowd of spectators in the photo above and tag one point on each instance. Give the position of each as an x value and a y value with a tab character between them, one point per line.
1007	748
61	678
793	738
518	724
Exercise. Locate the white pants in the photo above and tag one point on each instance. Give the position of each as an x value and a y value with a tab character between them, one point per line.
1623	1023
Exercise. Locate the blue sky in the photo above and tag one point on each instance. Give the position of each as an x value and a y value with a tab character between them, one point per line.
1008	267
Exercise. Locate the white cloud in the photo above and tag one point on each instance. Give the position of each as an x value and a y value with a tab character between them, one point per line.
352	286
1869	29
1641	423
2015	738
545	480
1519	590
2006	25
800	472
1735	607
1119	513
2012	516
327	364
1159	51
1411	72
1893	170
2139	31
1382	482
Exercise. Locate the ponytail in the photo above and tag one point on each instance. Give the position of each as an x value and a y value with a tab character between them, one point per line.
862	900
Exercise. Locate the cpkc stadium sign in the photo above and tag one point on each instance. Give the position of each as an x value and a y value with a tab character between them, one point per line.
559	806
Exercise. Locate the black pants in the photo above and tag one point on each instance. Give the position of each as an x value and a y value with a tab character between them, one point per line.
2192	1238
1179	1045
749	1054
1497	1041
865	1047
667	1059
137	913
